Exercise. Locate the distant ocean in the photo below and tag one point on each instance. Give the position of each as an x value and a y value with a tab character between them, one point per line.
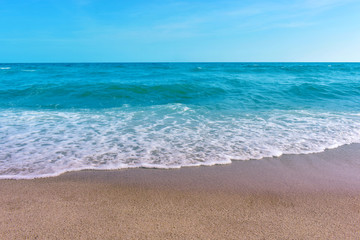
56	118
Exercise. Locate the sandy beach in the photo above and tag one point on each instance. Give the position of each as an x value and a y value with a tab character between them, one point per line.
314	196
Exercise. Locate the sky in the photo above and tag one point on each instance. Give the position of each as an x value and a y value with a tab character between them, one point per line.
179	31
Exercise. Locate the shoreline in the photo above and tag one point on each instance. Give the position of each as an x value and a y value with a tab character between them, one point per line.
292	196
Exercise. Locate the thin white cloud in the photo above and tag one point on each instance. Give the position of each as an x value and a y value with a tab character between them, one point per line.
204	19
325	4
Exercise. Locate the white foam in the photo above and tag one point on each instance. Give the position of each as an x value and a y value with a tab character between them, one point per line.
48	143
28	70
5	68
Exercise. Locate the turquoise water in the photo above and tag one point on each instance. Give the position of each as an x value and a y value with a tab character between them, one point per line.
64	117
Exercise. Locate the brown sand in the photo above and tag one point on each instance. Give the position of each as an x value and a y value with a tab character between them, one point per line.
314	196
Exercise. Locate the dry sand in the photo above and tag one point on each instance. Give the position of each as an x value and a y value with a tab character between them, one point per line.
314	196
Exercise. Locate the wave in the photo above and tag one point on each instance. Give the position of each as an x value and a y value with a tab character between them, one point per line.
325	91
48	143
230	92
106	95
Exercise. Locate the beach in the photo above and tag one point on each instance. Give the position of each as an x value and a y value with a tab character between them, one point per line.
180	120
312	196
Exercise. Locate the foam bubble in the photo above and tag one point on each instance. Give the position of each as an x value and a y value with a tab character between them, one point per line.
48	143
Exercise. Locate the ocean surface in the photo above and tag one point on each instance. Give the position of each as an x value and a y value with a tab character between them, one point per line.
56	118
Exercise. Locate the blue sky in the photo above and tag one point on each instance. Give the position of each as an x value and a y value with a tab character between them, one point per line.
174	30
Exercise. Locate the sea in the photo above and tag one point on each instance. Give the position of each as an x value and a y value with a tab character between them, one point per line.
62	117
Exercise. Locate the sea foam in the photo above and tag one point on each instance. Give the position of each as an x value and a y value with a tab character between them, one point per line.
48	143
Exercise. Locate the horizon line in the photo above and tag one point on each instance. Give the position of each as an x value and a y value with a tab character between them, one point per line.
61	62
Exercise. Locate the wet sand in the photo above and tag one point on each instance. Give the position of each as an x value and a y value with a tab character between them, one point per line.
314	196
